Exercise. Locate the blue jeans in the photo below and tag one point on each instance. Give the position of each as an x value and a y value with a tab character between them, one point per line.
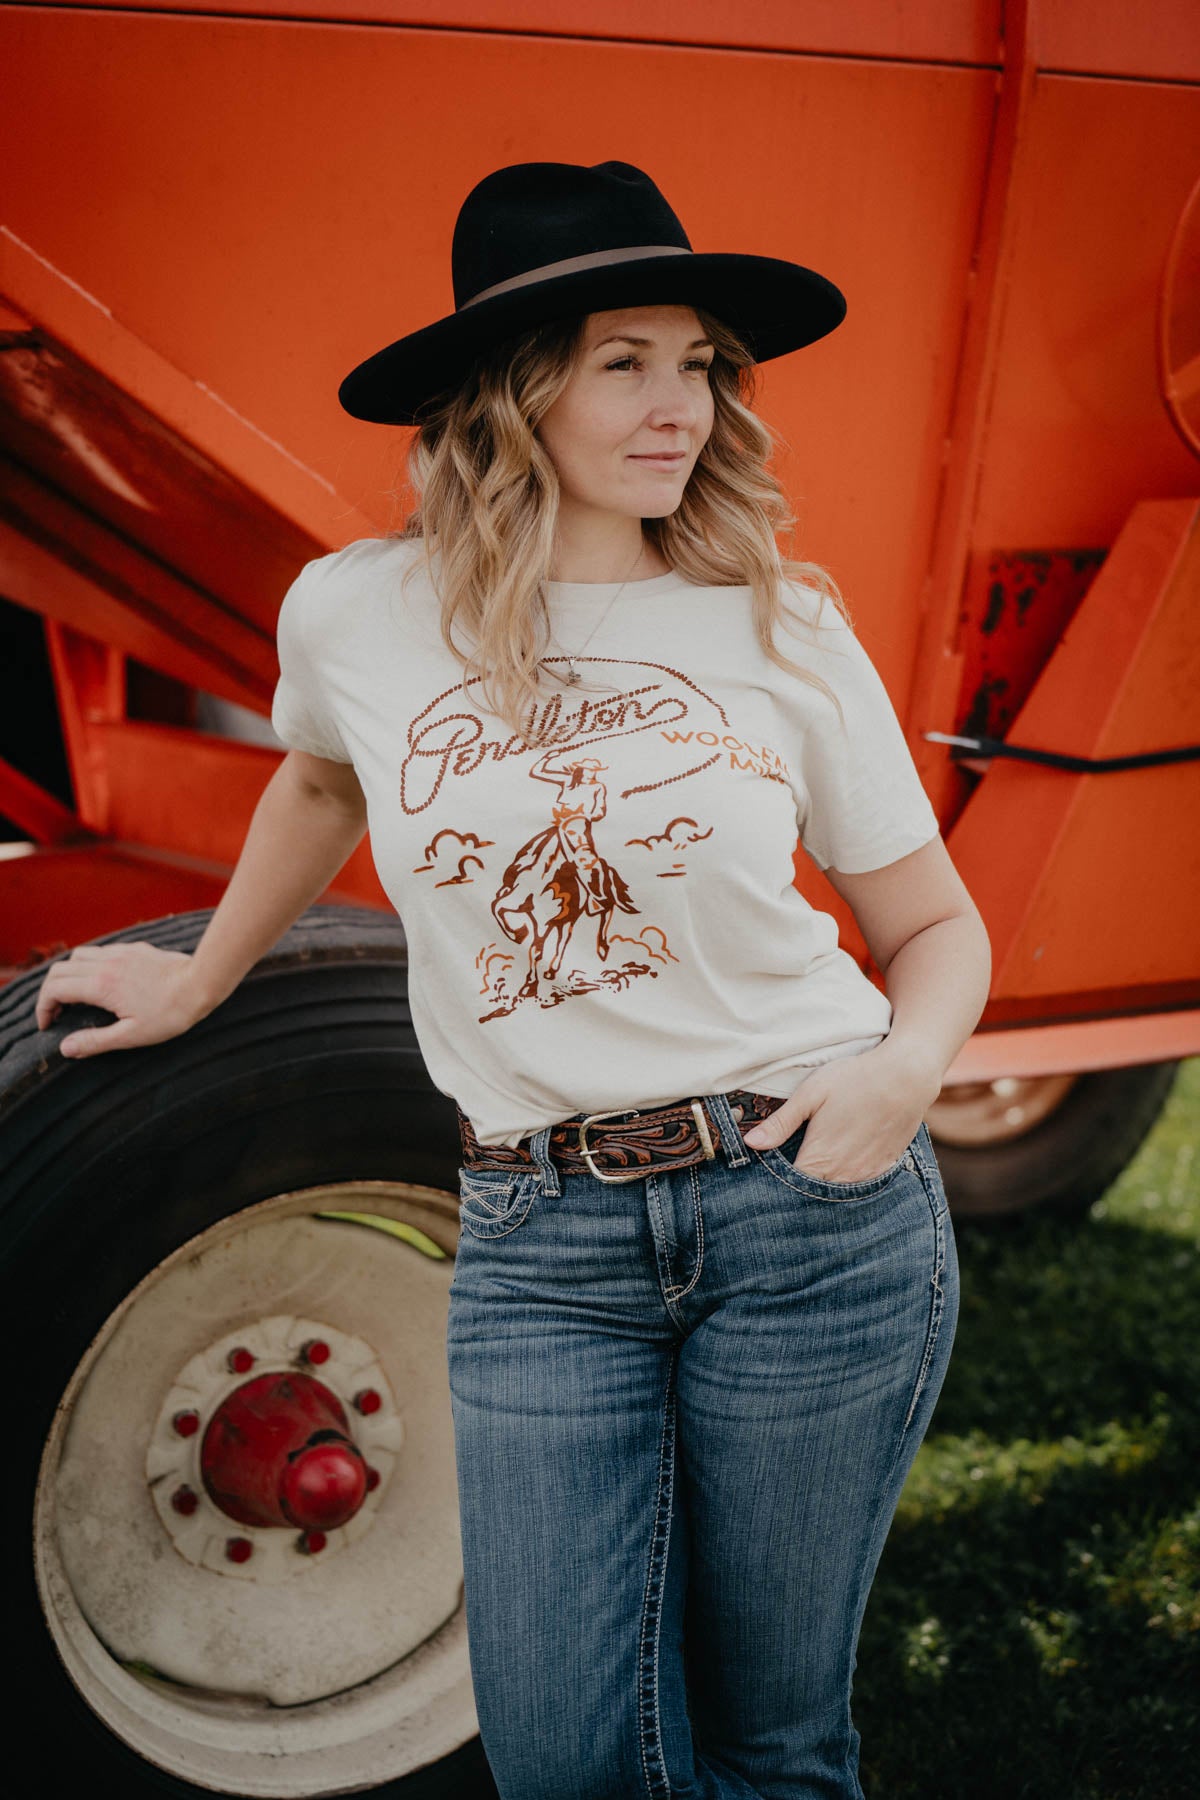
684	1409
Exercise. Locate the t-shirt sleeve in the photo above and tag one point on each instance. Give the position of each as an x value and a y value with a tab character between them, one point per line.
864	805
301	716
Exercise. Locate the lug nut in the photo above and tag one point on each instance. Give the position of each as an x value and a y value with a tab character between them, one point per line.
373	1479
184	1501
310	1542
238	1550
367	1401
241	1360
315	1351
187	1424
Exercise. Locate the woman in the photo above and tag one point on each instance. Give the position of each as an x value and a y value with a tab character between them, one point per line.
706	1287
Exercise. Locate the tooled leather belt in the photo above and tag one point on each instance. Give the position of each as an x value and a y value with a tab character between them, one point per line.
624	1145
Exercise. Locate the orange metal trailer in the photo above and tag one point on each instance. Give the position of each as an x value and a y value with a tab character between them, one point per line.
210	215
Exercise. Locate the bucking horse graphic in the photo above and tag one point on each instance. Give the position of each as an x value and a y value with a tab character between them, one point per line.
559	876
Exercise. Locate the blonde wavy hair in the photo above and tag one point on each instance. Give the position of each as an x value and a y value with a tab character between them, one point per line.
487	509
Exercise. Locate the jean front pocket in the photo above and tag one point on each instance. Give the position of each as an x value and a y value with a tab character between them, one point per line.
492	1202
780	1162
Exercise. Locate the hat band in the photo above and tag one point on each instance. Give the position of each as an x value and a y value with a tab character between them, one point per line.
595	259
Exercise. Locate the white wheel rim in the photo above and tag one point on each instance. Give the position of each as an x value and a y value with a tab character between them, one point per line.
974	1115
353	1670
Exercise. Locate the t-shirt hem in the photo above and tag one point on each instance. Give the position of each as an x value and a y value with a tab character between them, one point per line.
780	1087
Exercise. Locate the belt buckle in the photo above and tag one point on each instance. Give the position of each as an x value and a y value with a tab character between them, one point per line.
698	1113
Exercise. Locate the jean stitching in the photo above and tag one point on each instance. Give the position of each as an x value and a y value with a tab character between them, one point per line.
677	1293
876	1185
649	1717
936	1304
480	1199
667	1288
737	1150
471	1220
547	1169
479	1189
923	1156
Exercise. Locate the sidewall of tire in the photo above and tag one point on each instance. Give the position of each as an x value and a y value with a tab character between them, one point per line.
308	1074
1071	1157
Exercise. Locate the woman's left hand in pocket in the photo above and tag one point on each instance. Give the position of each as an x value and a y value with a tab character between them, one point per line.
862	1112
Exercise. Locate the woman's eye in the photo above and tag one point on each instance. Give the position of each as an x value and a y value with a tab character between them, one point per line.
695	362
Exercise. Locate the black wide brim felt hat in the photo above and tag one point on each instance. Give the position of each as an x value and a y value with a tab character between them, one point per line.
542	240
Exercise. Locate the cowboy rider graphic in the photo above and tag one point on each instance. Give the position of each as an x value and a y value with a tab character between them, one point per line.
558	876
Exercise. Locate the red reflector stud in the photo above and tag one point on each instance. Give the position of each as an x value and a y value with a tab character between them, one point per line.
187	1424
238	1550
240	1361
367	1401
185	1501
311	1542
315	1351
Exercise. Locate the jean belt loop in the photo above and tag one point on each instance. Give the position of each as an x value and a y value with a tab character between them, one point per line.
732	1147
539	1149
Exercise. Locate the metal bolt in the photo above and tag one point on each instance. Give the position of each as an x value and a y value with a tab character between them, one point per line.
241	1360
367	1401
238	1550
184	1501
187	1424
315	1351
373	1480
310	1542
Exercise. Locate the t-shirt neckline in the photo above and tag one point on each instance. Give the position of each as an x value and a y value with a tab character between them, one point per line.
582	592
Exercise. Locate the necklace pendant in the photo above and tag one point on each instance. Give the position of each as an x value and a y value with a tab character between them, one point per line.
573	677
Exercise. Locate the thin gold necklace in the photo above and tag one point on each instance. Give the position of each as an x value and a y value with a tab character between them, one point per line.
574	675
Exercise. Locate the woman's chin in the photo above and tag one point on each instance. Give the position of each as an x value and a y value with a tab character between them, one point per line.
662	504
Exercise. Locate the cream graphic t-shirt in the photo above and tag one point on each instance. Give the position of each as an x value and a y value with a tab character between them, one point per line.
611	921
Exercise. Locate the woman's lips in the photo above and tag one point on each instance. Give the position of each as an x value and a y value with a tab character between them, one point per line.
660	462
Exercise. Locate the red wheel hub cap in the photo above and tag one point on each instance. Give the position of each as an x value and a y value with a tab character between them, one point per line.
278	1451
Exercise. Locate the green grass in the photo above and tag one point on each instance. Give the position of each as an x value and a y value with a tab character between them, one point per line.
1034	1628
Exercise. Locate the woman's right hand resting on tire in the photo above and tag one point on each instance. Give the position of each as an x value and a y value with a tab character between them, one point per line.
152	992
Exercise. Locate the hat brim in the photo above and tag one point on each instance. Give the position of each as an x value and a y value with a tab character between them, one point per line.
775	307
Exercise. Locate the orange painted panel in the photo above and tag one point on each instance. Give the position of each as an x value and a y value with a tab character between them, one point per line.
1116	1043
1078	428
1089	881
51	899
161	783
1098	37
270	215
929	30
1111	37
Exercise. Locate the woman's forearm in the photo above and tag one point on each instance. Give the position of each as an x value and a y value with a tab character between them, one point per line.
938	985
299	838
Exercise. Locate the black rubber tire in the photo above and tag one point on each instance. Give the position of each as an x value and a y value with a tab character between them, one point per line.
309	1072
1070	1158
